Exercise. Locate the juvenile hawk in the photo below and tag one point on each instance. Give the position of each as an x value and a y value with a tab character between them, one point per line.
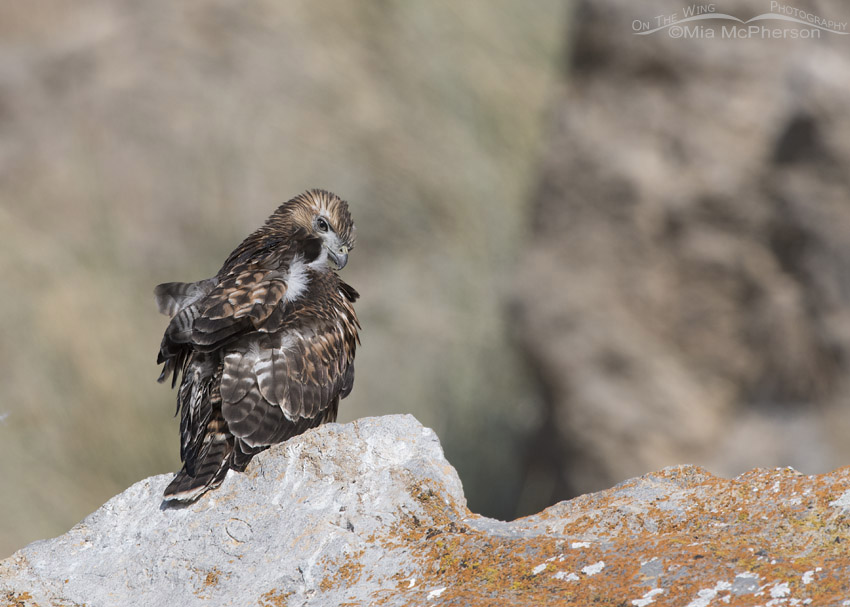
266	346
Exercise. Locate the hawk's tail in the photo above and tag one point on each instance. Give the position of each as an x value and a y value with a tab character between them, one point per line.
208	471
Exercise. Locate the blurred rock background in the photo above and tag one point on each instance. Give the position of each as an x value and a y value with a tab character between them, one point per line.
583	254
685	295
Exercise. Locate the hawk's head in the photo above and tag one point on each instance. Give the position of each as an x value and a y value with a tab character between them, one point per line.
323	218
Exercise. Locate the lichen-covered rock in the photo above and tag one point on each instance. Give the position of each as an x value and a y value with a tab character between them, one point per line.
370	513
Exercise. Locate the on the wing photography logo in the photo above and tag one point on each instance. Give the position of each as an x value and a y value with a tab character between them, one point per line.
704	21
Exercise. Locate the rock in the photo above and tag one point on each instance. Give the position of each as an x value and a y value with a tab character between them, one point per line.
684	294
371	513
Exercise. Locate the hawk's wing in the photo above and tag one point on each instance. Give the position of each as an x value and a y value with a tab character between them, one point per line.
243	300
208	313
276	386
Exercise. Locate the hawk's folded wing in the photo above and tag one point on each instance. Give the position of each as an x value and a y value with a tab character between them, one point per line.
282	384
241	302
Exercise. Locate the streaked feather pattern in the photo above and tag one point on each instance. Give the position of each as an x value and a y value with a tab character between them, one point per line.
259	366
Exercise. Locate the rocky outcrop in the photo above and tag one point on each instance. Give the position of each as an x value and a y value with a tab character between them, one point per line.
371	513
684	295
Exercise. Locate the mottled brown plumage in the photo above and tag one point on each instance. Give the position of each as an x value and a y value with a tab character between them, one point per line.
265	347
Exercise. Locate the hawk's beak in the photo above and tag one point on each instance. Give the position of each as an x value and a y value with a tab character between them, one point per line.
339	257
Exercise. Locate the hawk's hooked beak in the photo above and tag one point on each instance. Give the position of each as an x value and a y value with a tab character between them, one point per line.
338	257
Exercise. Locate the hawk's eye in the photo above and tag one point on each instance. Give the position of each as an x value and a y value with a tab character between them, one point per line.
322	224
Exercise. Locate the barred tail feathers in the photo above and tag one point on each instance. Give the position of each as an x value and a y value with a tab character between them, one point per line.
208	471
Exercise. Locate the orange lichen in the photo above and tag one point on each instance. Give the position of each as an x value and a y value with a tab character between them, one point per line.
342	575
774	529
15	599
212	577
275	598
207	582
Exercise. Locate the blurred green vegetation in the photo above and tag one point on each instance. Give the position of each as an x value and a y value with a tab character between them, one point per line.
140	142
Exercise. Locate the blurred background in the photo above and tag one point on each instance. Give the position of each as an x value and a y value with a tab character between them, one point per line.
583	254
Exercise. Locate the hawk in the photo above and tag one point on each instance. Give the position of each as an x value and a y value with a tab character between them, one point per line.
265	347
